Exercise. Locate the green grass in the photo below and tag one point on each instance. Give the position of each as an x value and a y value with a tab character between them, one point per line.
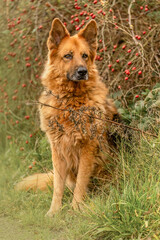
127	208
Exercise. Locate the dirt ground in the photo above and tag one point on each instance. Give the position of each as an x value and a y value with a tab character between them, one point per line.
11	230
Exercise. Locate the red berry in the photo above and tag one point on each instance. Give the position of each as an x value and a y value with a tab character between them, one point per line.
27	58
126	78
134	68
99	11
137	54
129	50
28	64
144	32
30	135
95	1
27	142
77	19
40	27
27	117
117	60
112	69
17	121
124	46
14	97
119	87
140	72
85	5
30	167
9	137
87	18
137	96
24	85
109	65
129	63
141	7
127	72
81	13
139	37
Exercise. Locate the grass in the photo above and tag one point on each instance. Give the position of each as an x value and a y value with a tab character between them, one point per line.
127	208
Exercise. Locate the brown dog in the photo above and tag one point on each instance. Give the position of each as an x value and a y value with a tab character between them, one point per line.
71	106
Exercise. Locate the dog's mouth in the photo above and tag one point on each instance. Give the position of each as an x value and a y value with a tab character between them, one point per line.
80	74
75	78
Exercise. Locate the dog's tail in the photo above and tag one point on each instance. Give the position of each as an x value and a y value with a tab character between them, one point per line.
34	182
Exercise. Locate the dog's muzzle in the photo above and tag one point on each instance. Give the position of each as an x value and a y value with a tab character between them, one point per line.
81	73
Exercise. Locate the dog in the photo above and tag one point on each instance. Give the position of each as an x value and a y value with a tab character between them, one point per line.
74	108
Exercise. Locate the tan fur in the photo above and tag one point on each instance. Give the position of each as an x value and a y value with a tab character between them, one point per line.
76	155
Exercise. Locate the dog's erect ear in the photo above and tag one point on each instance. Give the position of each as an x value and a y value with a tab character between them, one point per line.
90	34
57	33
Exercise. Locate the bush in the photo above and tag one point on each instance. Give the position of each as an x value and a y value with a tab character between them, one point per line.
128	62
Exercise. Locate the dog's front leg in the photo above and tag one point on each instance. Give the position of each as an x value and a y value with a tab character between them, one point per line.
60	173
83	177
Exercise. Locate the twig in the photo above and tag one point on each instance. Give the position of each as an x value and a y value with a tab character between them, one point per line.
36	27
132	32
104	120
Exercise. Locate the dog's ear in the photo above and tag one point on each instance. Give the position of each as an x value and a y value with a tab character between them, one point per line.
57	33
90	34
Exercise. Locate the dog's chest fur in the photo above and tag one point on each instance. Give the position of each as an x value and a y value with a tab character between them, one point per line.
65	117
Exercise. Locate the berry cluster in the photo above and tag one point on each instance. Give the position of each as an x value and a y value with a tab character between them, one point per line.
127	54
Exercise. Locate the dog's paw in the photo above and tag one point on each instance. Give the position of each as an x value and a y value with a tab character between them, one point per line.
77	205
51	212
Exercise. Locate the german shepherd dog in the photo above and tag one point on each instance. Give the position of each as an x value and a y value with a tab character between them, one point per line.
73	105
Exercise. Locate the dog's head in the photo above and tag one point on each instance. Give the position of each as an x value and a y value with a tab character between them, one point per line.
73	55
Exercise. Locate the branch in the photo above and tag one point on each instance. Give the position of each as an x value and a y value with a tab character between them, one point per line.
104	120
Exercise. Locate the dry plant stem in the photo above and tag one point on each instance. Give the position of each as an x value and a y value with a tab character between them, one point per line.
7	9
141	85
36	26
106	120
132	32
60	15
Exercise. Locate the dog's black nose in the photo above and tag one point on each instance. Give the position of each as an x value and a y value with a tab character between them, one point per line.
82	72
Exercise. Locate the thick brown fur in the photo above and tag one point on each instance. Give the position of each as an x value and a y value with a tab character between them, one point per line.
76	154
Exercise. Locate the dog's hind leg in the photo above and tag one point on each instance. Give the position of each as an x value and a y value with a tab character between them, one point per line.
71	181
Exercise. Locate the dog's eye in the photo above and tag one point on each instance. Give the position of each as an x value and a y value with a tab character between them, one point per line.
68	56
84	56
